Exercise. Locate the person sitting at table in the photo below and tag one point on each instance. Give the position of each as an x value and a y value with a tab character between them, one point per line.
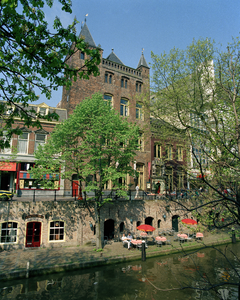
126	239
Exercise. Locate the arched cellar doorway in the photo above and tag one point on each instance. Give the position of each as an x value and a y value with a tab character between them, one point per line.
149	221
109	229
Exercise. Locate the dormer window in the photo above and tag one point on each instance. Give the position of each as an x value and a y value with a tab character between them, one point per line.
43	110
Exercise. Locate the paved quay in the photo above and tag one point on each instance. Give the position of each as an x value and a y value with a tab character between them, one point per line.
13	263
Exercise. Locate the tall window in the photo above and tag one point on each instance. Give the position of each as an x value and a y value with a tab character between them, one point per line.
81	55
39	140
157	151
169	179
124	107
108	78
139	114
140	142
23	143
169	153
56	231
180	153
138	87
108	99
181	180
9	232
124	82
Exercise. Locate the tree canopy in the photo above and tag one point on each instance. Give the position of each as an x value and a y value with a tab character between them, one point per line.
96	144
197	91
35	60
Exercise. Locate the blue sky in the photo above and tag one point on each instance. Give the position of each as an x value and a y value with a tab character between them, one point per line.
127	26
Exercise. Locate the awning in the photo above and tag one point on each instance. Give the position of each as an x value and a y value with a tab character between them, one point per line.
8	166
26	175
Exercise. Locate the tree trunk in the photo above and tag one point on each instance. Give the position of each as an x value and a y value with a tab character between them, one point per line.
98	229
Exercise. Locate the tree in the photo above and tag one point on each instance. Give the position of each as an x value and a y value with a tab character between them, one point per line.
96	144
197	91
35	60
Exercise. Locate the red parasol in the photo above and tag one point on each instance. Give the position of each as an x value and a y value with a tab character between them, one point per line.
189	221
146	227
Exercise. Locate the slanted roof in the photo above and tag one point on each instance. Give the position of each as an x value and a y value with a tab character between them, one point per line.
85	33
113	57
142	62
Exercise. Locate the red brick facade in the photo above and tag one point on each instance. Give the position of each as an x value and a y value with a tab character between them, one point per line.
116	81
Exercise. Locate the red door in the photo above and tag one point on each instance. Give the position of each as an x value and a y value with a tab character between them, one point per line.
33	237
75	188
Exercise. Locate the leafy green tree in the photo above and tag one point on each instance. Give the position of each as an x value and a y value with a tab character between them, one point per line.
35	60
196	91
95	141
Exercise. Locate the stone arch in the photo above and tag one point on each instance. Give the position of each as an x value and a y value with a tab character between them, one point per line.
121	227
149	221
109	228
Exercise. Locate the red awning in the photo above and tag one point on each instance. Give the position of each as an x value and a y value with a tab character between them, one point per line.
8	166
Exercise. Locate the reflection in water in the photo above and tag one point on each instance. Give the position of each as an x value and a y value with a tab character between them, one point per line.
158	278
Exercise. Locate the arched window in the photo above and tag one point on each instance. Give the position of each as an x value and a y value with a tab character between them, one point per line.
9	232
108	99
138	223
159	223
124	107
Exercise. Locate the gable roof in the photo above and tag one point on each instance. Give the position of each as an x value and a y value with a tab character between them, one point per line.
142	62
85	33
113	57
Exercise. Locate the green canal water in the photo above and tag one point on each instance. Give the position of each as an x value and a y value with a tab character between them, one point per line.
140	280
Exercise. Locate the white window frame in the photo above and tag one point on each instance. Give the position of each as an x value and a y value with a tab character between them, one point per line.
45	110
39	143
27	141
179	153
108	100
55	232
139	111
124	107
158	150
9	228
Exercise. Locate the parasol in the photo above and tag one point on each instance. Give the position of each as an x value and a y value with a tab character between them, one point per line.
189	221
146	227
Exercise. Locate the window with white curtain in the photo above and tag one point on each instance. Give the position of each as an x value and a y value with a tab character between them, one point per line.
22	147
39	140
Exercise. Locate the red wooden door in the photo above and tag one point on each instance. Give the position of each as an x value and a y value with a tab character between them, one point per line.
33	237
75	188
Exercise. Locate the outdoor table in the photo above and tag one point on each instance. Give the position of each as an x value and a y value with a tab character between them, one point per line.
160	240
137	243
199	235
182	237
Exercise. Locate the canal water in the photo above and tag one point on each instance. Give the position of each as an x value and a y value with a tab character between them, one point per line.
164	277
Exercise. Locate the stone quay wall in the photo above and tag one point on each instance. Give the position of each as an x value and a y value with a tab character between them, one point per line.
79	219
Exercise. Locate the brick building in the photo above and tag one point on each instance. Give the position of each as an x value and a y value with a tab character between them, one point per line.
16	161
123	86
169	158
